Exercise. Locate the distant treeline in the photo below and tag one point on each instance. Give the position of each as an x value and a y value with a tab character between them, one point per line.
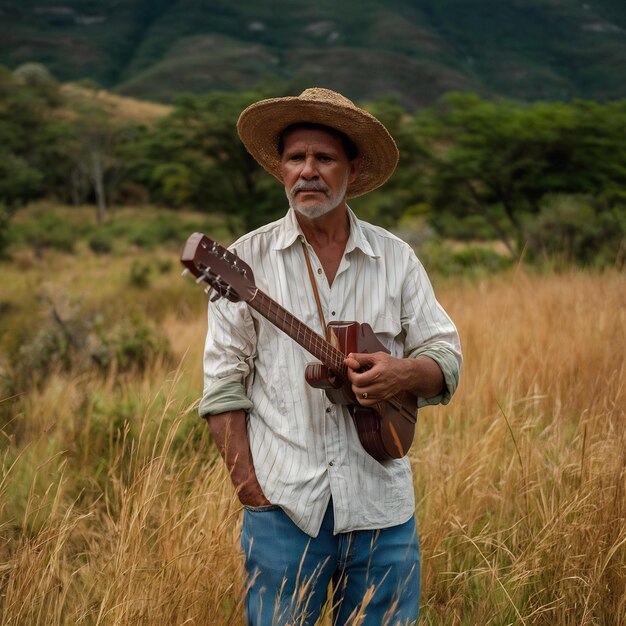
546	179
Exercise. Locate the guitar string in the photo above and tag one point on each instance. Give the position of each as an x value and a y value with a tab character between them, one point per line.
315	340
325	351
310	339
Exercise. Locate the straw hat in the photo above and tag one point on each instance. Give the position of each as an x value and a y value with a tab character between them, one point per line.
260	125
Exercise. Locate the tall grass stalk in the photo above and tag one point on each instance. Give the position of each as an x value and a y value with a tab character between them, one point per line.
115	508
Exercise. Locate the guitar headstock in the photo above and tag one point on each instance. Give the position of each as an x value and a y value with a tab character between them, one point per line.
210	262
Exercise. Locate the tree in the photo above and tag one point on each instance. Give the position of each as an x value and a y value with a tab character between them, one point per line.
28	135
406	187
93	152
499	160
194	158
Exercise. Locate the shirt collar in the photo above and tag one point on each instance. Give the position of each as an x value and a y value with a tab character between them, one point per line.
290	231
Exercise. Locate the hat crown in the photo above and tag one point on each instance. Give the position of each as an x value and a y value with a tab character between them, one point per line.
319	94
261	124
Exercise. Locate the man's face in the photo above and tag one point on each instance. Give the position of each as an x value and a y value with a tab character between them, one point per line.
316	171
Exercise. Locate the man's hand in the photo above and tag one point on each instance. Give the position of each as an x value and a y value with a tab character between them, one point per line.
250	492
231	437
378	376
374	376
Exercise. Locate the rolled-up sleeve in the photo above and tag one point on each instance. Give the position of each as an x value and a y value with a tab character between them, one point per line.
228	358
429	330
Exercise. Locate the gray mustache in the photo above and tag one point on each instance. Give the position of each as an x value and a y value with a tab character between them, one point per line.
309	186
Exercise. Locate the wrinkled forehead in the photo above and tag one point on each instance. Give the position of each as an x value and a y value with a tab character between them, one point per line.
319	133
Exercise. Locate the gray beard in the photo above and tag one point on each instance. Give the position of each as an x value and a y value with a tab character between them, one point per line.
323	207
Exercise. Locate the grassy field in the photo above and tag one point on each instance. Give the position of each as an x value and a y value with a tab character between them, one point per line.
115	509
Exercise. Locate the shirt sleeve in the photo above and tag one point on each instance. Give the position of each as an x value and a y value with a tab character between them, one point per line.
228	358
429	331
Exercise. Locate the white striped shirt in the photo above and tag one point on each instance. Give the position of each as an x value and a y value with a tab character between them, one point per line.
304	448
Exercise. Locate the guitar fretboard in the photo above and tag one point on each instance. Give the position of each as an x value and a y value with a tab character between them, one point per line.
311	341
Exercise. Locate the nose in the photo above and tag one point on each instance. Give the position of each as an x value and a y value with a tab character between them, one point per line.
309	169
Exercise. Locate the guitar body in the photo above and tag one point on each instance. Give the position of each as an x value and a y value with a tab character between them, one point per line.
386	430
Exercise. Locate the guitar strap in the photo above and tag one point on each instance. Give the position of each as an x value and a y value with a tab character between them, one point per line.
314	285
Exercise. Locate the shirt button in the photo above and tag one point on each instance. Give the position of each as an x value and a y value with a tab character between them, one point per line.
329	409
331	463
332	313
319	270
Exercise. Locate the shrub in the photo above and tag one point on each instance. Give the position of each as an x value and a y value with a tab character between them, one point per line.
164	266
4	230
577	229
131	345
100	243
439	258
48	231
139	274
59	343
78	341
162	230
480	257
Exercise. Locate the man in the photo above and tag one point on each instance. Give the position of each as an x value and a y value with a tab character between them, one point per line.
318	509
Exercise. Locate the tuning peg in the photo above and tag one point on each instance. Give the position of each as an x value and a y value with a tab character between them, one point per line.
185	272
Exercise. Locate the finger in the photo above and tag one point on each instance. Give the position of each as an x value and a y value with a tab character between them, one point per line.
364	359
352	363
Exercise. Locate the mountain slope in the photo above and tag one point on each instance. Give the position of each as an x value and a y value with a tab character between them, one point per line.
417	50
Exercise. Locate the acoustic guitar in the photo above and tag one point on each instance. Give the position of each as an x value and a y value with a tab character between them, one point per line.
385	430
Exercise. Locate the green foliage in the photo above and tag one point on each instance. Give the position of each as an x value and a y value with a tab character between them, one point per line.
485	259
69	338
463	227
49	231
440	258
4	230
530	50
53	343
479	169
139	275
406	187
162	229
194	158
35	74
26	136
93	153
100	243
40	227
498	161
575	229
19	181
131	345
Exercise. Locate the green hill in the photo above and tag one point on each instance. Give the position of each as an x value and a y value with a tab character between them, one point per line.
417	50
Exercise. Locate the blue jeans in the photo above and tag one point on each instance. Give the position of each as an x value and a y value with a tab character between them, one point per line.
374	574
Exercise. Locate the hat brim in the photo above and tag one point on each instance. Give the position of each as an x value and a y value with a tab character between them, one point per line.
261	124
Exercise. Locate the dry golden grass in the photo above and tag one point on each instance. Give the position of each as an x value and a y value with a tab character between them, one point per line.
113	509
121	107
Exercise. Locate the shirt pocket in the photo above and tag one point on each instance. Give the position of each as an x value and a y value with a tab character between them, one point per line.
387	330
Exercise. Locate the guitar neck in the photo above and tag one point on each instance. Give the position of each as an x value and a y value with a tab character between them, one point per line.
311	341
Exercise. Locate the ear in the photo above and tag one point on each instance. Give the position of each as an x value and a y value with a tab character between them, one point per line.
355	169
